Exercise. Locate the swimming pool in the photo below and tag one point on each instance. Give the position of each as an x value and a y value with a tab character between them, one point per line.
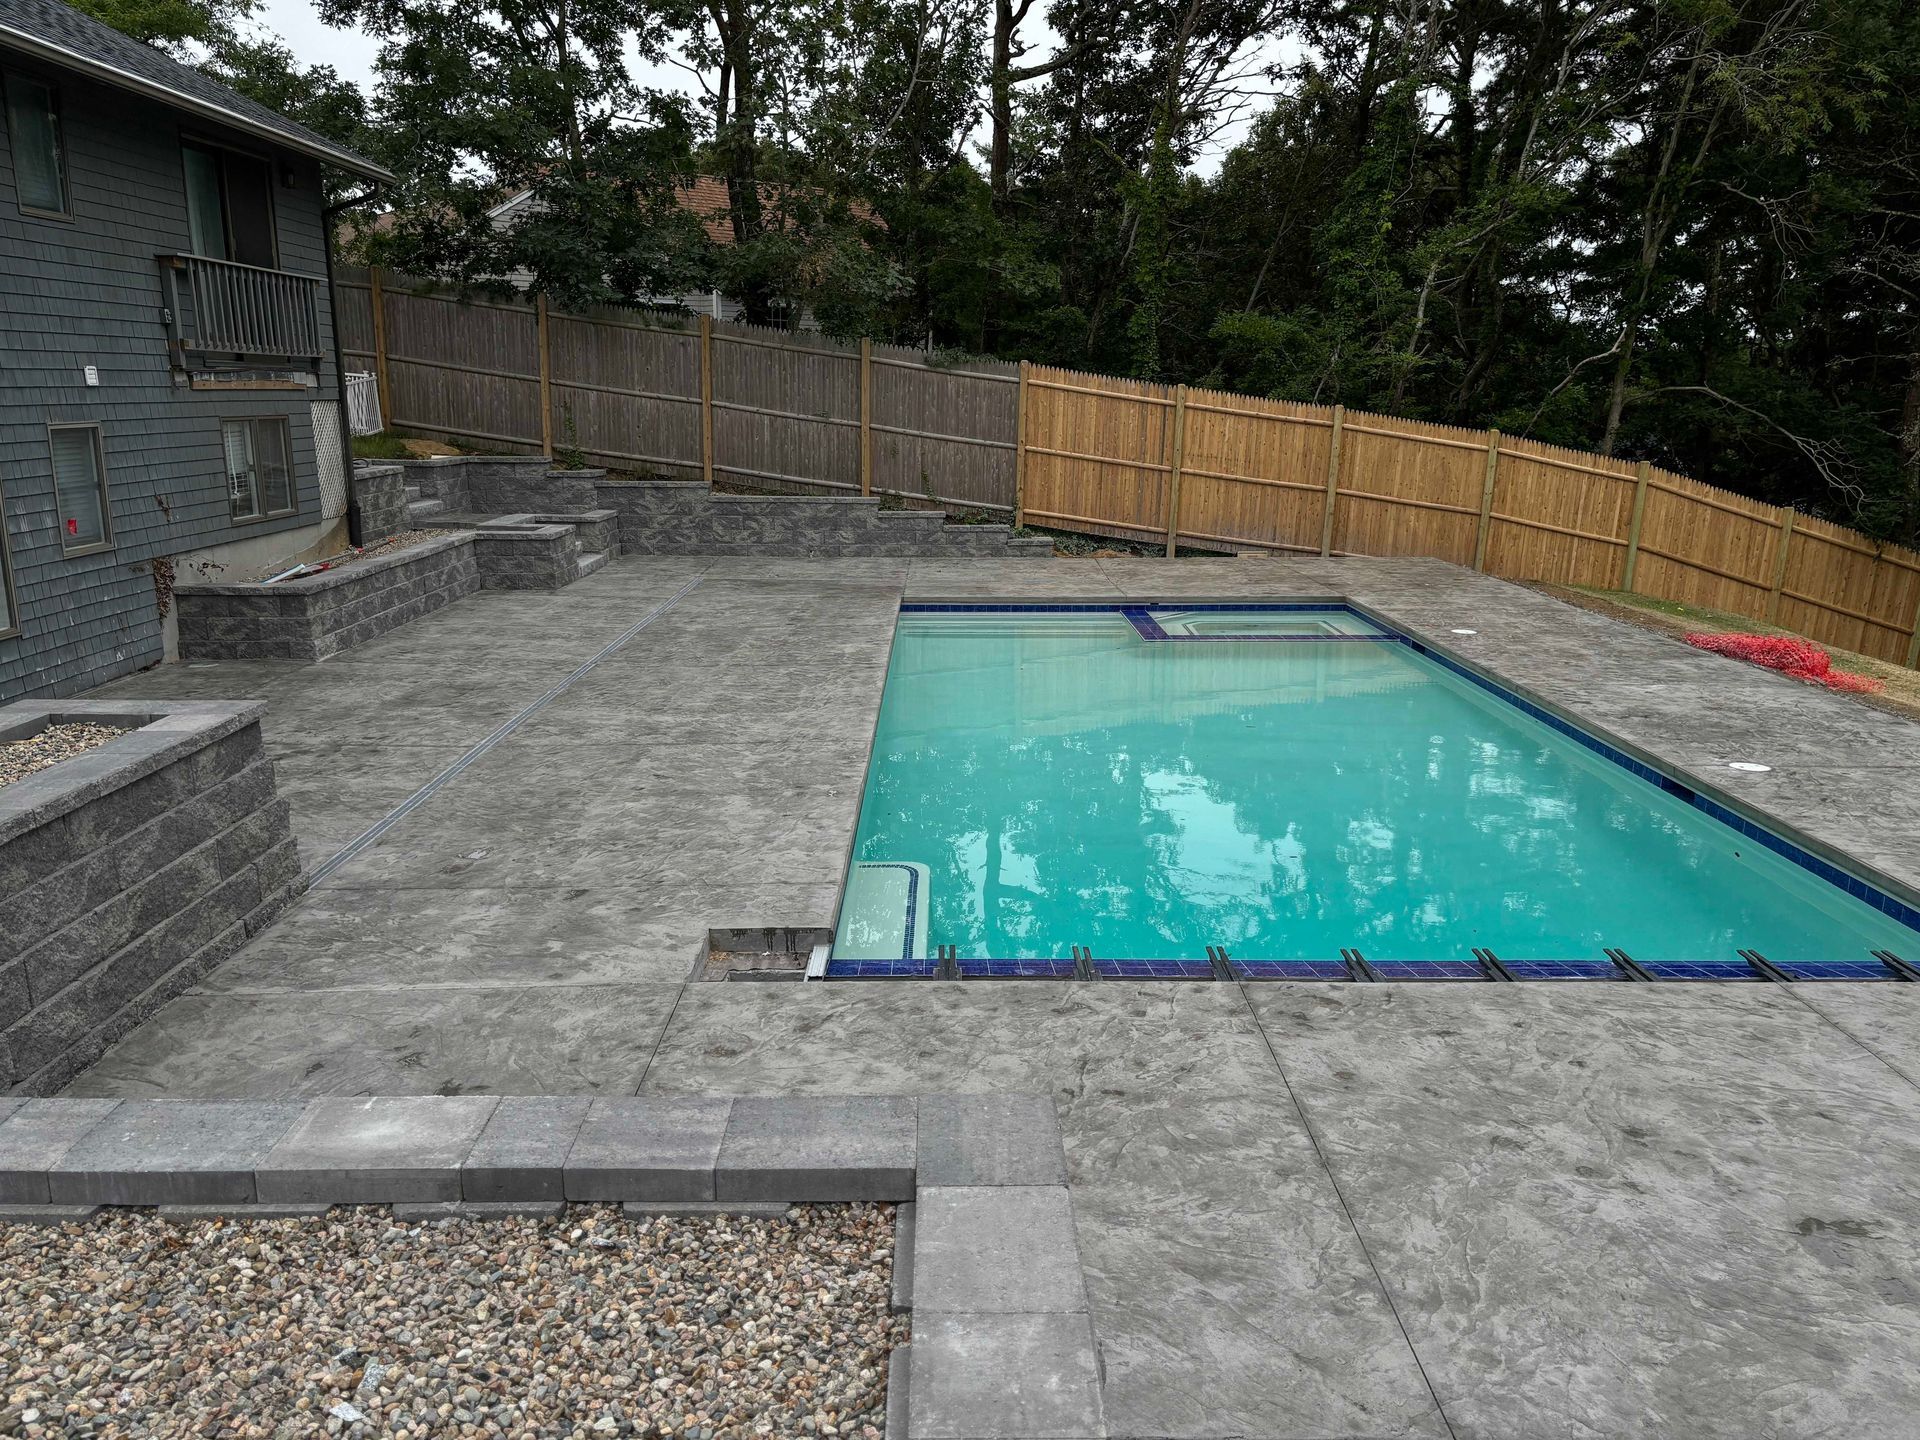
1295	791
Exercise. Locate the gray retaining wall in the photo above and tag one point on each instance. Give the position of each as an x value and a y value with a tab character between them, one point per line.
380	498
502	484
324	614
526	556
128	872
686	517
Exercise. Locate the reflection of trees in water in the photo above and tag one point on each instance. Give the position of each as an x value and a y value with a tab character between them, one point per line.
1283	800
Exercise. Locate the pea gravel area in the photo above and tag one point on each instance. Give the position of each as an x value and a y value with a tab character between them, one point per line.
20	758
354	1324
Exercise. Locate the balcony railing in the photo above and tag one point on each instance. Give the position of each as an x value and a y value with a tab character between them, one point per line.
218	309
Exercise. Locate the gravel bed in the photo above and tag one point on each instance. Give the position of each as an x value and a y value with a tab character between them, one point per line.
20	758
590	1325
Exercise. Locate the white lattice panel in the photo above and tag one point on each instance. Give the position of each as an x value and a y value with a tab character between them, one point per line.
326	454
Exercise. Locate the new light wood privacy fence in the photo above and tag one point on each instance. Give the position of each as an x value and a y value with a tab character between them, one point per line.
1177	466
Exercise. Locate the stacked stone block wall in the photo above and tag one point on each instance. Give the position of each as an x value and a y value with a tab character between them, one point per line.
679	517
380	497
540	558
129	872
320	616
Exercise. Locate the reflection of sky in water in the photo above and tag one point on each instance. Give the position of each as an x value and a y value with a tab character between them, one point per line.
1067	783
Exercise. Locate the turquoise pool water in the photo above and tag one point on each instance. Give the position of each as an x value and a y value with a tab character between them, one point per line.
1045	781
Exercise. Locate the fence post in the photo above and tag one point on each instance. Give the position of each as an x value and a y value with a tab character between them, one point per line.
866	415
1020	450
706	398
1179	459
378	296
1333	481
546	377
1913	645
1633	526
1780	567
1486	500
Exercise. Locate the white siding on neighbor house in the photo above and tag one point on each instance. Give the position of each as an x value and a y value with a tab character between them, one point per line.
87	291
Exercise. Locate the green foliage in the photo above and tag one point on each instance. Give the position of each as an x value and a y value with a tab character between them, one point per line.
172	25
1680	230
386	445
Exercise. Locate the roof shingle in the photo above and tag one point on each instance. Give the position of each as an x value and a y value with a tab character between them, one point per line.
64	36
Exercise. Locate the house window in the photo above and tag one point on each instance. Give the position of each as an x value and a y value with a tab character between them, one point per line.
259	468
229	205
80	488
39	153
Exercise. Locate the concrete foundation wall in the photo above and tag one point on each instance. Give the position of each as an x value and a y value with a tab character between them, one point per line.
128	872
321	616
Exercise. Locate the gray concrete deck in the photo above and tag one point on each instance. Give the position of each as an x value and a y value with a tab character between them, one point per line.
1306	1212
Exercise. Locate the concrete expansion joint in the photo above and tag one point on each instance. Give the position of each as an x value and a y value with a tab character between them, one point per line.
986	1254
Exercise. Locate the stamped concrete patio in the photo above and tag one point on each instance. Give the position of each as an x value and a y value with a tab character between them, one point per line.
1514	1211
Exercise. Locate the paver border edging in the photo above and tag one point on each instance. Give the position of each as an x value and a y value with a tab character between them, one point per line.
1003	1344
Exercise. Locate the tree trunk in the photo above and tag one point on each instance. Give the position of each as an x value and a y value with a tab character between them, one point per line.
1000	147
1910	440
737	140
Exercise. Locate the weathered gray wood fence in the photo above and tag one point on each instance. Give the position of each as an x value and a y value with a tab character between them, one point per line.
670	393
1164	464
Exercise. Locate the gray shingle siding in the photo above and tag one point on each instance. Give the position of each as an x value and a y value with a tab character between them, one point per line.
88	292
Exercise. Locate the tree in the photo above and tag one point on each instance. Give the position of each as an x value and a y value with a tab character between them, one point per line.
535	99
175	26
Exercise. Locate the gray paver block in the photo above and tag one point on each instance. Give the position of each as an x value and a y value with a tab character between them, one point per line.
897	1366
410	1212
860	1148
903	1228
375	1151
35	1138
991	1140
187	1214
996	1249
649	1149
1003	1377
746	1209
172	1152
522	1153
46	1214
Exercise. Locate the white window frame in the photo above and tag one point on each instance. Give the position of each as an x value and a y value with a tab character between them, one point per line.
258	515
105	542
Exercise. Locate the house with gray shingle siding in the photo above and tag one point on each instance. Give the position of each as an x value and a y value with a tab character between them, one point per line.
170	394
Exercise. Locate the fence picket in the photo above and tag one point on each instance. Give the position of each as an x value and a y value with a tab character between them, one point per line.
1151	463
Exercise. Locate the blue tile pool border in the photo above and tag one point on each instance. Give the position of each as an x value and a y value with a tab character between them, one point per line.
1867	893
1889	905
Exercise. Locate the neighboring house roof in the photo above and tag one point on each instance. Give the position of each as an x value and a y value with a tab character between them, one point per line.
60	34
